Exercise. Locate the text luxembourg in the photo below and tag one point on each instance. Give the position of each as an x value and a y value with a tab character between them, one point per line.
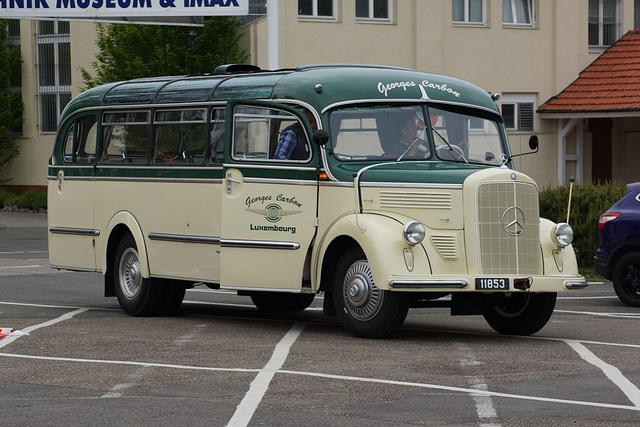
111	4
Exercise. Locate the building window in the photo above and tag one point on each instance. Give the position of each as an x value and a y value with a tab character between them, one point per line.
468	12
373	10
636	14
317	9
518	112
15	79
518	12
604	21
54	72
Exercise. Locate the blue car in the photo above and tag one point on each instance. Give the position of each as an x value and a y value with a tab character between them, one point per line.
618	255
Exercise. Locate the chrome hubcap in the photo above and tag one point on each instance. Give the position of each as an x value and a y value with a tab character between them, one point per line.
361	296
129	273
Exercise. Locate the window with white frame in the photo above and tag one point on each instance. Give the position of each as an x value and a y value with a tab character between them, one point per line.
373	10
518	12
604	23
468	12
518	111
317	9
54	71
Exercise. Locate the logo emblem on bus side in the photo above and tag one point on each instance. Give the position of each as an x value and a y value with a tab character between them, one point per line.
273	212
513	221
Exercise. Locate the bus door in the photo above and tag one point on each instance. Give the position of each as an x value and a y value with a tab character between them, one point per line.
269	197
71	195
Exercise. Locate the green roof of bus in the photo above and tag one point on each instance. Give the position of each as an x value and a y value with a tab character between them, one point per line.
319	85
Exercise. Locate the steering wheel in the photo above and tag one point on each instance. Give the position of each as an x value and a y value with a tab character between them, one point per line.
455	153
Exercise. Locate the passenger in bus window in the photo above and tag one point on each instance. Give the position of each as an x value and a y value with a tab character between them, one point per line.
292	143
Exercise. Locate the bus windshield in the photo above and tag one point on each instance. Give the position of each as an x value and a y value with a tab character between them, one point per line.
413	132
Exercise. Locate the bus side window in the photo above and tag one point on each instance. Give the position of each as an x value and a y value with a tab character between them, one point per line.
217	135
67	148
181	136
126	137
86	138
257	133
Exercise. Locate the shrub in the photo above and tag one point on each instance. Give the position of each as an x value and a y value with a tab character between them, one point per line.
32	199
588	202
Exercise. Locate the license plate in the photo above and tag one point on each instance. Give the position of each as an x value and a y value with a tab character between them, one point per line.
491	284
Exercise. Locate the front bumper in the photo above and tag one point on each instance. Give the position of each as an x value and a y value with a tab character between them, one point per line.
557	283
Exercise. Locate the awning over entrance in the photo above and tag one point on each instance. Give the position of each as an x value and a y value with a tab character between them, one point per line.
608	88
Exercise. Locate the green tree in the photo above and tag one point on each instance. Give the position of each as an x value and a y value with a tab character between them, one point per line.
10	103
132	51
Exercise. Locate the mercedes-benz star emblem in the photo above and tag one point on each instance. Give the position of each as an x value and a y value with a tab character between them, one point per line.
513	221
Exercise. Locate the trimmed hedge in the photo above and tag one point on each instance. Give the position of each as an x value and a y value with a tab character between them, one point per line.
32	200
588	202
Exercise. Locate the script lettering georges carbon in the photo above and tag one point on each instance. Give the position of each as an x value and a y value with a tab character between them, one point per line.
443	87
385	88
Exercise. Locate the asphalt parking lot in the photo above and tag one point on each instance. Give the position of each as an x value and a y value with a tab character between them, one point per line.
220	361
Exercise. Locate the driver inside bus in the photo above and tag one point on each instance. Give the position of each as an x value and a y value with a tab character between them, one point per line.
292	144
411	125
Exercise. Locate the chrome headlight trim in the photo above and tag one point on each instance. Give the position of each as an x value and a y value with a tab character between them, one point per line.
414	232
562	234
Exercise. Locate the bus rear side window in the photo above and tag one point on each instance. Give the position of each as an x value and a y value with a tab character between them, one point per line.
80	142
126	137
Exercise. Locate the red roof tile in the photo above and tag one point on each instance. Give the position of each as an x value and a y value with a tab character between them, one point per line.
611	83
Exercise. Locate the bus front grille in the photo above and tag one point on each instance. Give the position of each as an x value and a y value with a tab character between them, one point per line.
508	228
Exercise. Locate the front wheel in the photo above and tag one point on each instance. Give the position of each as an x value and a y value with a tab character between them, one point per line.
362	308
519	313
626	279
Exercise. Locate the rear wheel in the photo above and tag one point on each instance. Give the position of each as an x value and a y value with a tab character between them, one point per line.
137	296
520	313
281	301
363	309
626	279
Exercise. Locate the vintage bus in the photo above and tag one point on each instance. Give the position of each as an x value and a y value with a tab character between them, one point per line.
396	191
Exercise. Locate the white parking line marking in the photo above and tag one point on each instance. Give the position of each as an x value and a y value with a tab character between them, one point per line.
6	341
259	386
484	405
628	388
595	313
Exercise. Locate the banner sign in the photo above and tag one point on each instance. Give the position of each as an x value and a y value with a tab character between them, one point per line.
97	9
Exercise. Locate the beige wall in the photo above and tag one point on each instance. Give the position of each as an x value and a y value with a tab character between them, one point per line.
30	168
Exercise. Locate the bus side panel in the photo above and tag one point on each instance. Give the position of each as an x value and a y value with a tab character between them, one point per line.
173	217
70	212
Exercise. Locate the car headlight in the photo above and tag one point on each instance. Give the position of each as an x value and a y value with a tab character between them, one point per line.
413	232
562	234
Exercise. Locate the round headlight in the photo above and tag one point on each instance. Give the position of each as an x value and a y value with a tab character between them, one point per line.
562	234
413	232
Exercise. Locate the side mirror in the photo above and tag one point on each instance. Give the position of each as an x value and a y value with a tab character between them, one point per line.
320	137
533	145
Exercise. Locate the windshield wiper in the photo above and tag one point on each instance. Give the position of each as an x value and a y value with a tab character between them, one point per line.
412	144
460	154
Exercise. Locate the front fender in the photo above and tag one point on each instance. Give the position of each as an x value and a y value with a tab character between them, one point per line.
380	237
555	260
117	221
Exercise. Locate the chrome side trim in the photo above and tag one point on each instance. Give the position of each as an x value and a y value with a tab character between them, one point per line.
457	284
184	238
576	285
258	244
75	231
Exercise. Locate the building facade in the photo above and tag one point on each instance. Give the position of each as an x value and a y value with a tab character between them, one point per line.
526	50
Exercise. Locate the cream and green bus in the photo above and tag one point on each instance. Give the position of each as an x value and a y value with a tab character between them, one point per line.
396	191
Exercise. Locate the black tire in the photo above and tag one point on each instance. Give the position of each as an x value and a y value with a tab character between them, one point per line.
362	308
137	296
281	301
626	279
518	313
